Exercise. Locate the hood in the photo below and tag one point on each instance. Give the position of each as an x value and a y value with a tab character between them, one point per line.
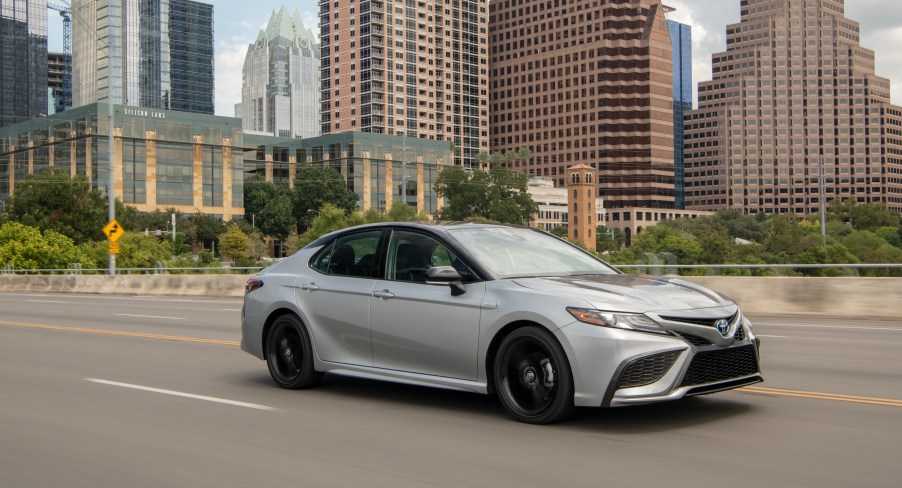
630	293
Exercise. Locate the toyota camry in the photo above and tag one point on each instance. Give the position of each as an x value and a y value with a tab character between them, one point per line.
492	309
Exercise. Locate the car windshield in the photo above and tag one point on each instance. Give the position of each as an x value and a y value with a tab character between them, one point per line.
510	252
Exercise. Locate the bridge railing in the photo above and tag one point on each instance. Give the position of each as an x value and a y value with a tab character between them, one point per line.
894	269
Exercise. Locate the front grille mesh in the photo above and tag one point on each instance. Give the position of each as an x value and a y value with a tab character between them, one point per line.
721	365
647	370
740	334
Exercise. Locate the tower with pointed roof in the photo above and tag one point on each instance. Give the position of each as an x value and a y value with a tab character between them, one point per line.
280	88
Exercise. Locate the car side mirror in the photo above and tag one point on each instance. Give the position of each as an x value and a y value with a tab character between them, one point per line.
446	276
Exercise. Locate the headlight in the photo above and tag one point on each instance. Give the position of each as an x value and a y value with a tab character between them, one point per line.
625	321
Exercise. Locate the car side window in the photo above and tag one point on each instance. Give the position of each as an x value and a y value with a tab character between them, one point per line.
352	255
412	254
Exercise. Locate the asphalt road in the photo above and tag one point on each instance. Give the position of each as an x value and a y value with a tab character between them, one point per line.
99	391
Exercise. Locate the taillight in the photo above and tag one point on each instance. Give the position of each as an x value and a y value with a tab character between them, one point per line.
252	285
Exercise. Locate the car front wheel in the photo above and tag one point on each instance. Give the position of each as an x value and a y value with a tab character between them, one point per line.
532	377
289	354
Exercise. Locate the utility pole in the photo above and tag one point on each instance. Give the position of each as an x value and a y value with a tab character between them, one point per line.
404	169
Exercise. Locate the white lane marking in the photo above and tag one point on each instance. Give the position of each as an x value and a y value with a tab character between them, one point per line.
182	394
140	298
896	329
770	336
231	309
149	316
45	301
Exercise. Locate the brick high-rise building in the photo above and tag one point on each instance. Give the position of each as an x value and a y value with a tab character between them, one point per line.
414	68
586	82
793	91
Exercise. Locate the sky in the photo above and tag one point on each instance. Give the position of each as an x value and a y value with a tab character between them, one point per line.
237	22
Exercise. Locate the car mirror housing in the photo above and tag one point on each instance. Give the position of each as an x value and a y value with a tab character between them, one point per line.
446	276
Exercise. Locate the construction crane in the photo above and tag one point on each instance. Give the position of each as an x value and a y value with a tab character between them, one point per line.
66	13
65	10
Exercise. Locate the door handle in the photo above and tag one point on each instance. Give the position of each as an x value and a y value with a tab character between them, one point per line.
309	287
384	294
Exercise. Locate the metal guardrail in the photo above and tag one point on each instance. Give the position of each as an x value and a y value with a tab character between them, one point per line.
758	266
76	269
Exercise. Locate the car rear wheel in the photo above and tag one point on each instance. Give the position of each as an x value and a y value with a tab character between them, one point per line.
532	377
289	354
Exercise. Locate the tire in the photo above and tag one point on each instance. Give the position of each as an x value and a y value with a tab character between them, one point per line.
289	354
532	377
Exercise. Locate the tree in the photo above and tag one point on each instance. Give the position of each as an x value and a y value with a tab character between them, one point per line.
863	216
330	219
498	194
268	206
233	243
401	212
136	251
53	200
315	187
25	247
207	229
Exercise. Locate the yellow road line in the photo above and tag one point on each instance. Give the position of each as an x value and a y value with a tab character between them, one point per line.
748	389
822	396
121	333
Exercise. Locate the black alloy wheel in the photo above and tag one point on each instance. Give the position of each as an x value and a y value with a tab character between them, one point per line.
289	354
532	377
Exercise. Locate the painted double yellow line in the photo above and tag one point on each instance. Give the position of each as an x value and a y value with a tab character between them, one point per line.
748	389
822	396
121	333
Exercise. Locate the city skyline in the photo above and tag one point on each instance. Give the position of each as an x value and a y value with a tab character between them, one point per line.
237	24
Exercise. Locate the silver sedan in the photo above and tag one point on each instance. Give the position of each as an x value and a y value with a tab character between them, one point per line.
496	310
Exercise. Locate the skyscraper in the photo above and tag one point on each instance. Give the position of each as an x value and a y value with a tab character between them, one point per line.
23	60
59	68
793	97
191	58
681	40
162	53
413	68
586	82
280	85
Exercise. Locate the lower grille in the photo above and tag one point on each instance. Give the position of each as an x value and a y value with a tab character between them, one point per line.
721	365
647	370
740	334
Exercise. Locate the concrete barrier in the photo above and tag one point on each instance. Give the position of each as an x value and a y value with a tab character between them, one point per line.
844	297
224	285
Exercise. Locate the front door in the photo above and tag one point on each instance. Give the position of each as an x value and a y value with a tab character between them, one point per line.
422	328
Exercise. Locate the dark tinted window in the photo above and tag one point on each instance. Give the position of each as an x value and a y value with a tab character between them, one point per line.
352	255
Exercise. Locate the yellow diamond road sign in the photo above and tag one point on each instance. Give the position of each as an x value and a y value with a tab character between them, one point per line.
113	231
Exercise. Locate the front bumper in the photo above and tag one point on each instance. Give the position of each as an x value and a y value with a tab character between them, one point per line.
663	367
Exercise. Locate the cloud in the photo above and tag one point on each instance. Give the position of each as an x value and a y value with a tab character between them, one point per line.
229	63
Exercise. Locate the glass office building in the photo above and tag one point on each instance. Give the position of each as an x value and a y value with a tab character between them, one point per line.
198	163
162	54
681	39
191	48
23	60
280	84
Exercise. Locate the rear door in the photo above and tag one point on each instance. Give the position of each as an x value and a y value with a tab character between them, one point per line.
335	295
